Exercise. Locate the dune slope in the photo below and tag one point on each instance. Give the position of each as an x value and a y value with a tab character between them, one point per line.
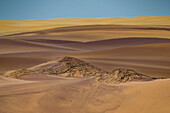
17	26
150	59
81	96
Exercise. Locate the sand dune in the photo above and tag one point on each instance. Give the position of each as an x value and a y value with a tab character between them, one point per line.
4	81
146	50
92	28
16	54
95	32
16	26
52	41
150	59
19	48
117	43
95	45
135	53
12	63
80	96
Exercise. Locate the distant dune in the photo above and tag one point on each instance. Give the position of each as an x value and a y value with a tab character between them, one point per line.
18	26
146	50
117	43
146	55
152	59
88	33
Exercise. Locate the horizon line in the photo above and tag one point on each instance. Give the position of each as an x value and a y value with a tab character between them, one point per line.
86	17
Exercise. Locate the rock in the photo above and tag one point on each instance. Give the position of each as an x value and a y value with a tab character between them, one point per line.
122	75
73	67
17	73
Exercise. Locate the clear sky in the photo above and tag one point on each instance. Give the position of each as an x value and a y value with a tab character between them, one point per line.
42	9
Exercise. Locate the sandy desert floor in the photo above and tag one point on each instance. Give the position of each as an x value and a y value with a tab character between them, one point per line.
138	43
66	95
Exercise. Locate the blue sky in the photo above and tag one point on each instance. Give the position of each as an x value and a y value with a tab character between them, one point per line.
42	9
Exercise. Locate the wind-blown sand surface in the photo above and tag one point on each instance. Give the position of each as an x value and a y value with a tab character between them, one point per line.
151	59
138	43
81	96
16	26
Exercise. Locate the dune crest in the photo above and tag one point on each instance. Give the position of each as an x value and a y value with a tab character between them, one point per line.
18	26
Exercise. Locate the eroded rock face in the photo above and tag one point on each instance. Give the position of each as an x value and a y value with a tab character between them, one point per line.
66	66
122	75
73	67
17	73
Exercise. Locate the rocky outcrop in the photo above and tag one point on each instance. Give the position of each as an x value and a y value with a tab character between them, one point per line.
122	75
17	73
65	66
73	67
